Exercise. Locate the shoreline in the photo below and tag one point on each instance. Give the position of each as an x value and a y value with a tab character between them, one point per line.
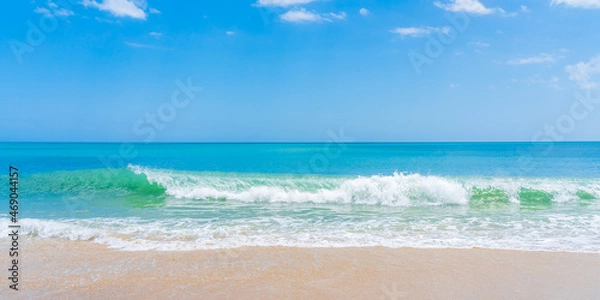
74	269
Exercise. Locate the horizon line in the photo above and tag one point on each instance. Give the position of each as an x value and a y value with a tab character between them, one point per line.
299	142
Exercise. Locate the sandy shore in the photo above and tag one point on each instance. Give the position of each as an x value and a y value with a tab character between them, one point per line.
76	270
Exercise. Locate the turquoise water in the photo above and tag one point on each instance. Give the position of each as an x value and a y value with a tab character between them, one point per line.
199	196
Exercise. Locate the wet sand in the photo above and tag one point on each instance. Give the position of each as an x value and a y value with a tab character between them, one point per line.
85	270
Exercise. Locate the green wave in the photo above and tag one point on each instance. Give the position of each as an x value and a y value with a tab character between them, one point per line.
140	187
482	198
535	199
116	181
583	195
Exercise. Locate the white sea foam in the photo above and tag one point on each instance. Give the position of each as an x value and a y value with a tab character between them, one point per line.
393	190
399	210
558	232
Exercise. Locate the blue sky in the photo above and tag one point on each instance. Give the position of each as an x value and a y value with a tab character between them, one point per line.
297	70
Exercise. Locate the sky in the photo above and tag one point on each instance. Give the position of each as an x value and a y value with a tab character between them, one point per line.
299	70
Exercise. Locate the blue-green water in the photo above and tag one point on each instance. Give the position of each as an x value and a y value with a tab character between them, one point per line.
196	196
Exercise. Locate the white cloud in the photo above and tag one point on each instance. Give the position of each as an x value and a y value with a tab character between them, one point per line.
156	34
364	12
137	45
468	6
300	15
525	9
283	3
42	11
154	11
538	59
553	82
229	33
60	12
479	44
577	3
537	79
582	72
340	16
419	31
120	8
304	16
146	46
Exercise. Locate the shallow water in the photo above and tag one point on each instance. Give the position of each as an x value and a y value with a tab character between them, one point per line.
204	196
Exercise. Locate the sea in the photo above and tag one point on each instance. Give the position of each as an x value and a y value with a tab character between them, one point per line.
190	196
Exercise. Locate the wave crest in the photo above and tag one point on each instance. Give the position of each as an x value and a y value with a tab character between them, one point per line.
394	190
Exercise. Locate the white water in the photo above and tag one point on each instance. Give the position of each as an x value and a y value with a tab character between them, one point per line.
399	210
393	190
560	232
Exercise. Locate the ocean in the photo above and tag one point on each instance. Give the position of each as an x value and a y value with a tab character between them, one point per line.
172	197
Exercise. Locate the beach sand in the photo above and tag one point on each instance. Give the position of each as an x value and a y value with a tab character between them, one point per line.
85	270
